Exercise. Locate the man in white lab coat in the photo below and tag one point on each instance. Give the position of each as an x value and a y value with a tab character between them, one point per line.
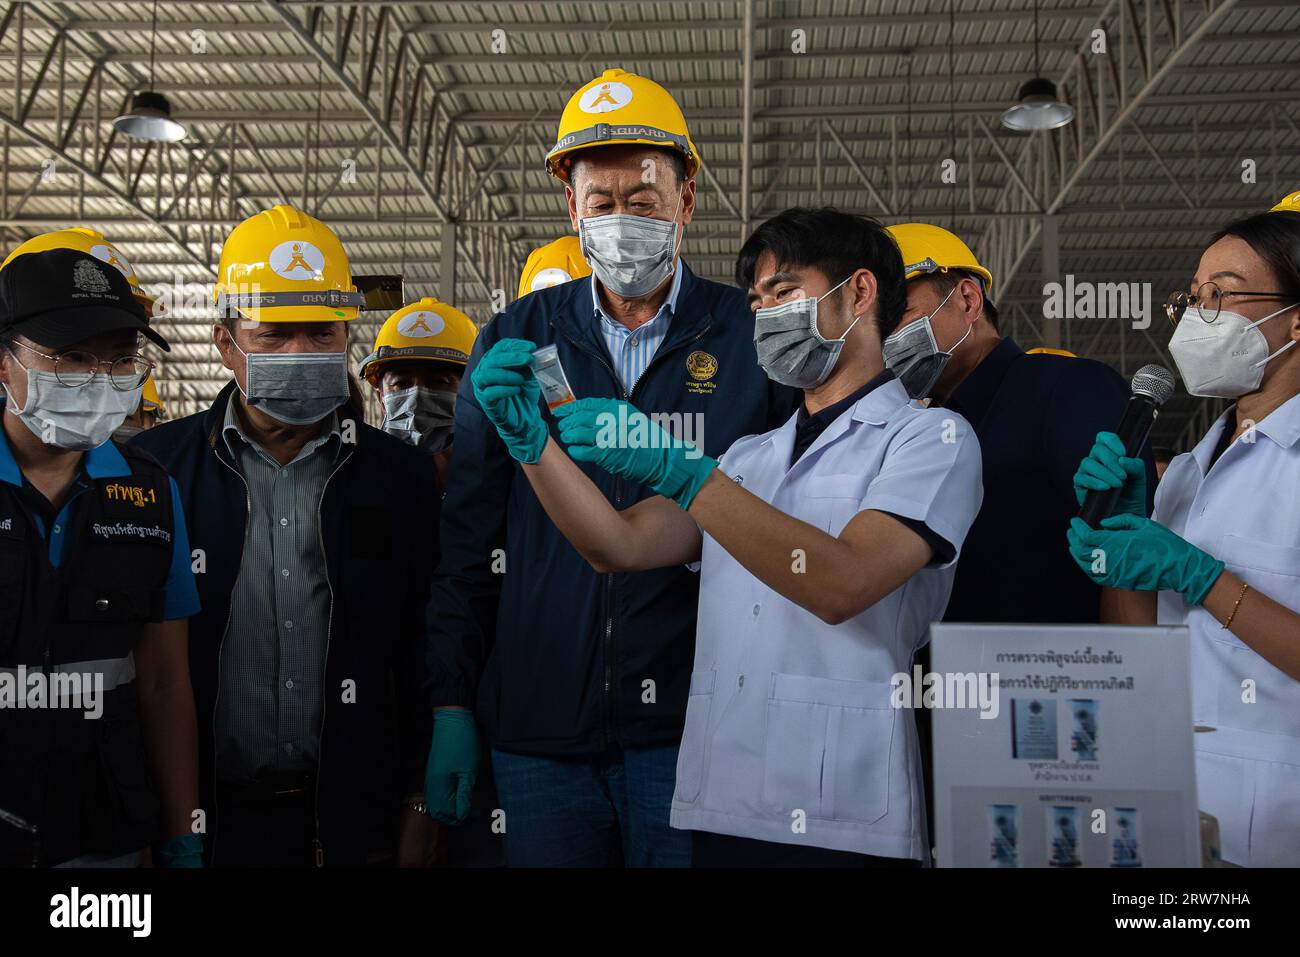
827	549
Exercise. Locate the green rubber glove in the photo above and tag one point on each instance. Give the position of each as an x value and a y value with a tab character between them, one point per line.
510	396
185	851
453	766
1107	467
1142	555
624	441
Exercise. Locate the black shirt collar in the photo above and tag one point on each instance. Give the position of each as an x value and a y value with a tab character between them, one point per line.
808	427
975	394
832	412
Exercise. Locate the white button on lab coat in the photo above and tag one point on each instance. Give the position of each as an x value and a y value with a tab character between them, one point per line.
1244	512
790	735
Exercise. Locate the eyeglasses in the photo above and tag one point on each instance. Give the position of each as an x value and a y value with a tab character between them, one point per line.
75	369
1208	300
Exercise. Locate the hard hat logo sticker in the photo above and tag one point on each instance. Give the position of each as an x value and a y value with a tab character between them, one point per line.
107	254
605	98
421	324
548	277
296	259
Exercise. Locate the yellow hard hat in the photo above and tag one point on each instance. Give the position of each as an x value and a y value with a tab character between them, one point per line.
149	397
1044	350
929	249
1289	203
427	330
92	243
553	264
620	107
281	265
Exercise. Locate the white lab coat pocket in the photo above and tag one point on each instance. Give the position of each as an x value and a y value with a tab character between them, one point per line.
1270	568
827	748
691	755
1275	826
829	502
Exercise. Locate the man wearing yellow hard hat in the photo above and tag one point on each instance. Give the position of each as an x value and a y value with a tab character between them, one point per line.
557	262
1034	416
313	534
415	370
579	679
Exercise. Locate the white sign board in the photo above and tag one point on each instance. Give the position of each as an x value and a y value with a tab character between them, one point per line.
1081	756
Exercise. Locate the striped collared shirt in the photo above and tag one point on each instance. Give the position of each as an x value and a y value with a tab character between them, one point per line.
632	350
272	665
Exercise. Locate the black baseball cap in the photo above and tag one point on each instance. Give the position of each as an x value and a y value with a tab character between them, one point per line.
58	297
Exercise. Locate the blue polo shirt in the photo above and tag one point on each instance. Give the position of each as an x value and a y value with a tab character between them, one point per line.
1036	417
106	461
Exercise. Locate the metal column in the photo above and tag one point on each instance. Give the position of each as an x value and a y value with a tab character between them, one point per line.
447	266
1051	272
747	120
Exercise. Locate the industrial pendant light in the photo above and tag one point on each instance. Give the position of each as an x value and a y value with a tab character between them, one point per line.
1037	105
150	116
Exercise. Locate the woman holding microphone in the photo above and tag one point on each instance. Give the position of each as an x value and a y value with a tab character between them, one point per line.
1221	553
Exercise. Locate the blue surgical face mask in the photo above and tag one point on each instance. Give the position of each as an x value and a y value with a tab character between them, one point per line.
791	349
296	388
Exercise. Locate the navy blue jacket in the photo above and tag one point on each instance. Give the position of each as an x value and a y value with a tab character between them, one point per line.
1036	416
379	519
555	658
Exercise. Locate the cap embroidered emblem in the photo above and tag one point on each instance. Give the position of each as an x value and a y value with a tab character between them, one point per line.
90	278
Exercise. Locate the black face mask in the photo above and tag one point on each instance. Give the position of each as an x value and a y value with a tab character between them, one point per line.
421	416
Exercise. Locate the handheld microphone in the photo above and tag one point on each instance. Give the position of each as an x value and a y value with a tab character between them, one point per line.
1152	387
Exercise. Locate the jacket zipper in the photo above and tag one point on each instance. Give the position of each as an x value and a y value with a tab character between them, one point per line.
607	734
607	643
324	698
230	610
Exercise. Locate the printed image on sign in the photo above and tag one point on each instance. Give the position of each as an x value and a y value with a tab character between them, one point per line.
1086	761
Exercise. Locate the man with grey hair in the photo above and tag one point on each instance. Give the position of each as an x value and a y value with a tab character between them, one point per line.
580	679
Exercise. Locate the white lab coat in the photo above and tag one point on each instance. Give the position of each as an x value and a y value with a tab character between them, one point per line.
789	723
1246	513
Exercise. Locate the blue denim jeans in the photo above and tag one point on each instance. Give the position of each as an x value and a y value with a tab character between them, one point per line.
591	812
